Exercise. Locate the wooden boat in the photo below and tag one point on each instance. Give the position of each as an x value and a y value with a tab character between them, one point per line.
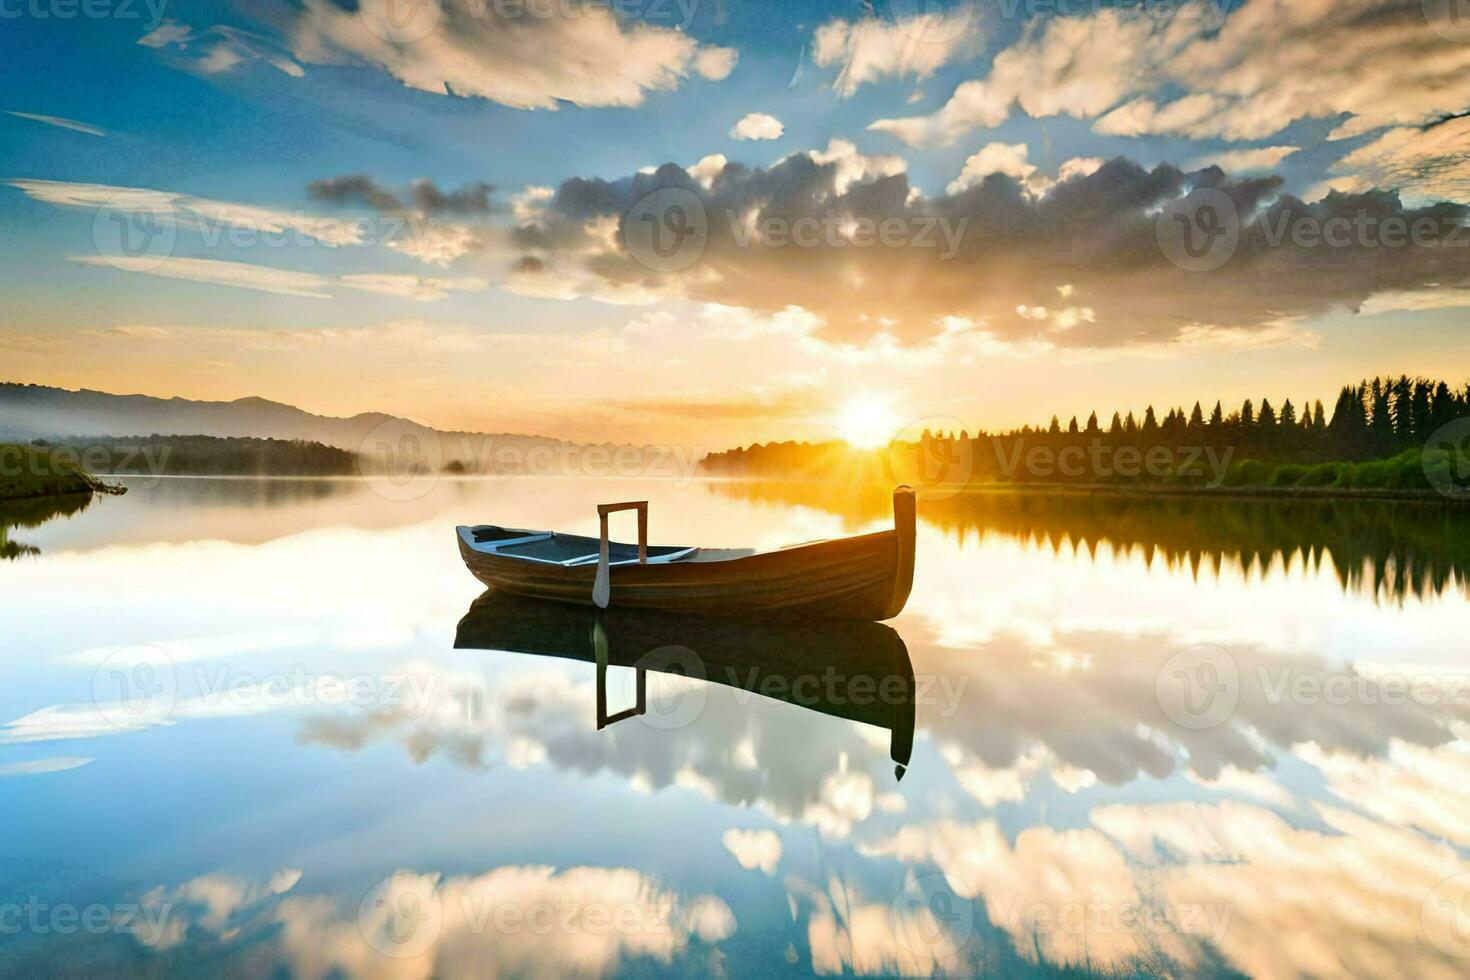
859	671
866	577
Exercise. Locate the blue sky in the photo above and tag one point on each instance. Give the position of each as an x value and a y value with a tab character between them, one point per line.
541	315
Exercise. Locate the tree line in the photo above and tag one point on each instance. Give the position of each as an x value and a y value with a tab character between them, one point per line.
1373	419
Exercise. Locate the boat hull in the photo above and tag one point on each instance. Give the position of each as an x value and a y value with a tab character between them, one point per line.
866	577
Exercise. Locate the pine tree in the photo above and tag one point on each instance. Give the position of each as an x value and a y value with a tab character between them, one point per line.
1117	425
1092	423
1217	418
1288	413
1150	423
1247	414
1072	426
1196	419
1267	419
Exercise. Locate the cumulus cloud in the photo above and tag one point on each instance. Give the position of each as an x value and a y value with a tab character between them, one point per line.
1014	237
757	126
993	158
914	47
586	56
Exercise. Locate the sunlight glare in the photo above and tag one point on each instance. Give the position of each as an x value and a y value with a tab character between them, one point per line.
866	422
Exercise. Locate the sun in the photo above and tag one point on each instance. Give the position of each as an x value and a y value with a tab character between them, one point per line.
866	422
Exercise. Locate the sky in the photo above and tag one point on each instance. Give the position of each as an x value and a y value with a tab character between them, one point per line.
715	222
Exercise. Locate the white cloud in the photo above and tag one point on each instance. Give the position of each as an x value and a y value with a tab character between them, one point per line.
914	47
754	848
757	126
527	62
993	158
1425	164
166	33
36	767
715	64
195	213
218	272
853	166
60	121
285	282
413	287
1273	62
1244	161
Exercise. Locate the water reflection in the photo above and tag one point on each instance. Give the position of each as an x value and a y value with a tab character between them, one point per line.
857	671
337	719
1389	549
31	514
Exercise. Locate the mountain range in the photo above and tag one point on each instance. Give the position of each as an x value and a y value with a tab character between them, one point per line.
30	412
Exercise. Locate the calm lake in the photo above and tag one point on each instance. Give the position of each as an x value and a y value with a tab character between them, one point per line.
265	727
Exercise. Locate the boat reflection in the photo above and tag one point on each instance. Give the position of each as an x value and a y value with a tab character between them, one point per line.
858	671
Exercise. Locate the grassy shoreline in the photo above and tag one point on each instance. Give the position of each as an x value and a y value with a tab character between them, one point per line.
31	473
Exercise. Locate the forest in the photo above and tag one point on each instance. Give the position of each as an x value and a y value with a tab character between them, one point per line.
1378	434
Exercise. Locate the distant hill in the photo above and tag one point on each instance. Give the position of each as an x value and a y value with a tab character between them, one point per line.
383	442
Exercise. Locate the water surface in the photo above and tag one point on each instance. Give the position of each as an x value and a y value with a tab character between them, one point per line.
264	726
